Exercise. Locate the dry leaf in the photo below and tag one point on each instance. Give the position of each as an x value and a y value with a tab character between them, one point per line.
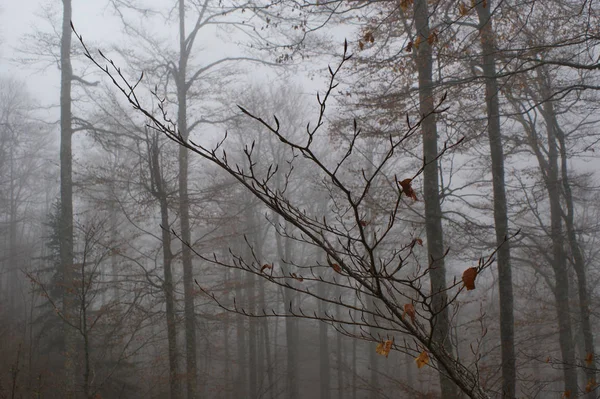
361	45
468	278
589	359
548	359
407	189
265	266
337	268
299	278
462	9
422	359
409	309
384	348
417	42
433	38
364	223
409	47
566	394
404	4
590	385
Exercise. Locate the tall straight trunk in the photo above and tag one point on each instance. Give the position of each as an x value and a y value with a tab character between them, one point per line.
66	202
505	287
161	194
252	337
241	380
184	212
339	351
291	323
373	356
324	367
577	253
433	211
553	185
559	264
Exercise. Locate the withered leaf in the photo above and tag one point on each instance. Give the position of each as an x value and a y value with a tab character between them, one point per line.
589	359
384	348
409	47
295	276
409	310
422	359
265	266
591	384
407	189
468	278
337	268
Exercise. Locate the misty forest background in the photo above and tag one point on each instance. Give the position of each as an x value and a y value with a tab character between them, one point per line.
471	128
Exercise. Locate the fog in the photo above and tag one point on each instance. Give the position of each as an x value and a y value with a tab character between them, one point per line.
295	199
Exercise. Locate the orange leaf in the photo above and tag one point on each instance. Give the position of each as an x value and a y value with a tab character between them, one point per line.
299	278
407	189
337	268
433	38
591	385
384	348
566	394
404	4
265	266
548	359
409	309
462	9
422	359
589	359
468	278
417	42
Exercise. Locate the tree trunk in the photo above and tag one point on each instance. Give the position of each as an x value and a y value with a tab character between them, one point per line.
505	287
241	384
160	193
578	259
433	211
324	366
184	212
66	203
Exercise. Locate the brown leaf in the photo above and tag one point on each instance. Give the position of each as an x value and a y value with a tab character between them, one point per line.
409	309
462	9
369	37
589	359
407	189
361	45
409	47
337	268
591	385
404	4
566	394
384	348
433	38
417	42
299	278
468	278
265	266
364	223
422	359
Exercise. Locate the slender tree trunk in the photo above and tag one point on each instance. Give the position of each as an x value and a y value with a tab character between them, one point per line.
340	354
577	253
241	383
553	185
161	195
505	286
324	366
184	213
66	203
291	323
433	211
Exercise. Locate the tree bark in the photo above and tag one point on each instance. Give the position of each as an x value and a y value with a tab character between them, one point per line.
184	212
505	287
161	194
577	253
433	211
66	203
